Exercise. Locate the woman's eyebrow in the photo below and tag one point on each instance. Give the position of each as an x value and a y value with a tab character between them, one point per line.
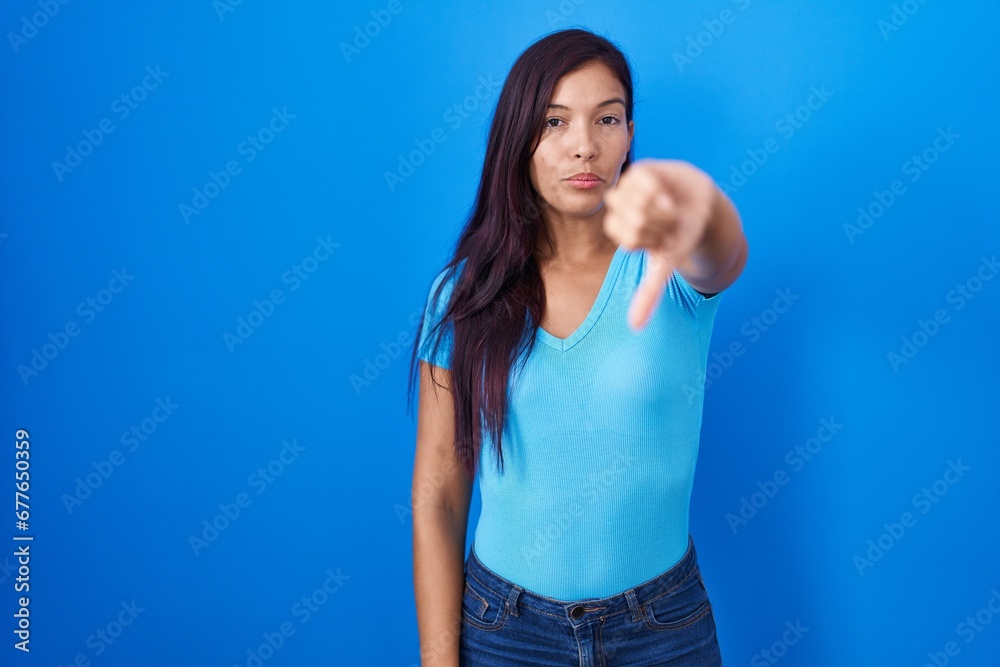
613	100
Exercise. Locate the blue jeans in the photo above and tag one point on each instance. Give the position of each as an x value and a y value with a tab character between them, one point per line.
665	621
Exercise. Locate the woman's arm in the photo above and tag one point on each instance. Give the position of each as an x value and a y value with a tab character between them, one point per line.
441	495
718	259
676	211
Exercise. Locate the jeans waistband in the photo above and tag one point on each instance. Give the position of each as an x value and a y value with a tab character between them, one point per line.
579	610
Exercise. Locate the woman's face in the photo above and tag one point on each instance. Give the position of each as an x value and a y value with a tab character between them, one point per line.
584	131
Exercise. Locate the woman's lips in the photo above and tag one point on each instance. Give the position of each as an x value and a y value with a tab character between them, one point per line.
584	183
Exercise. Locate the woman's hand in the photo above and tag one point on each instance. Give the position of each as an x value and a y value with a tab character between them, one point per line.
664	206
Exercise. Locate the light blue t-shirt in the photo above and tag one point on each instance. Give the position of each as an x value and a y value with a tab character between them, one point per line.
600	443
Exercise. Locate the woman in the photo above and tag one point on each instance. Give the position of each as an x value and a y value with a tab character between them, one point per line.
584	427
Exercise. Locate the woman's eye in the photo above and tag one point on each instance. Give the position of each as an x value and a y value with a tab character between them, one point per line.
550	119
614	120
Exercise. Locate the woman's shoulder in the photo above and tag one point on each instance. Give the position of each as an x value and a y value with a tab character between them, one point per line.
439	294
449	273
677	289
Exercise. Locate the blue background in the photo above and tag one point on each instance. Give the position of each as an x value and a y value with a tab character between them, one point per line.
339	502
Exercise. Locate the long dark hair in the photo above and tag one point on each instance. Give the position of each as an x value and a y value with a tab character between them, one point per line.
500	280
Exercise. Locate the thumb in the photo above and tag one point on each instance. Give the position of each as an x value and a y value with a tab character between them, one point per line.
647	296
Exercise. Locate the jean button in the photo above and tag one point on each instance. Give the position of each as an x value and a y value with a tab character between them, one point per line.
576	612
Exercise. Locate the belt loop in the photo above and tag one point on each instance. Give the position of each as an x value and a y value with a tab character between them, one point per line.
515	593
633	604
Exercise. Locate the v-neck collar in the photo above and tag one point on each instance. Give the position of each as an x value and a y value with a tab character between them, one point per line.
563	344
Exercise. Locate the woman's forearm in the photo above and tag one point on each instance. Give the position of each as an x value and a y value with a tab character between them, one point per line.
439	582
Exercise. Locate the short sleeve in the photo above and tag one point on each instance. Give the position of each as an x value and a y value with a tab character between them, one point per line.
696	307
699	308
433	312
